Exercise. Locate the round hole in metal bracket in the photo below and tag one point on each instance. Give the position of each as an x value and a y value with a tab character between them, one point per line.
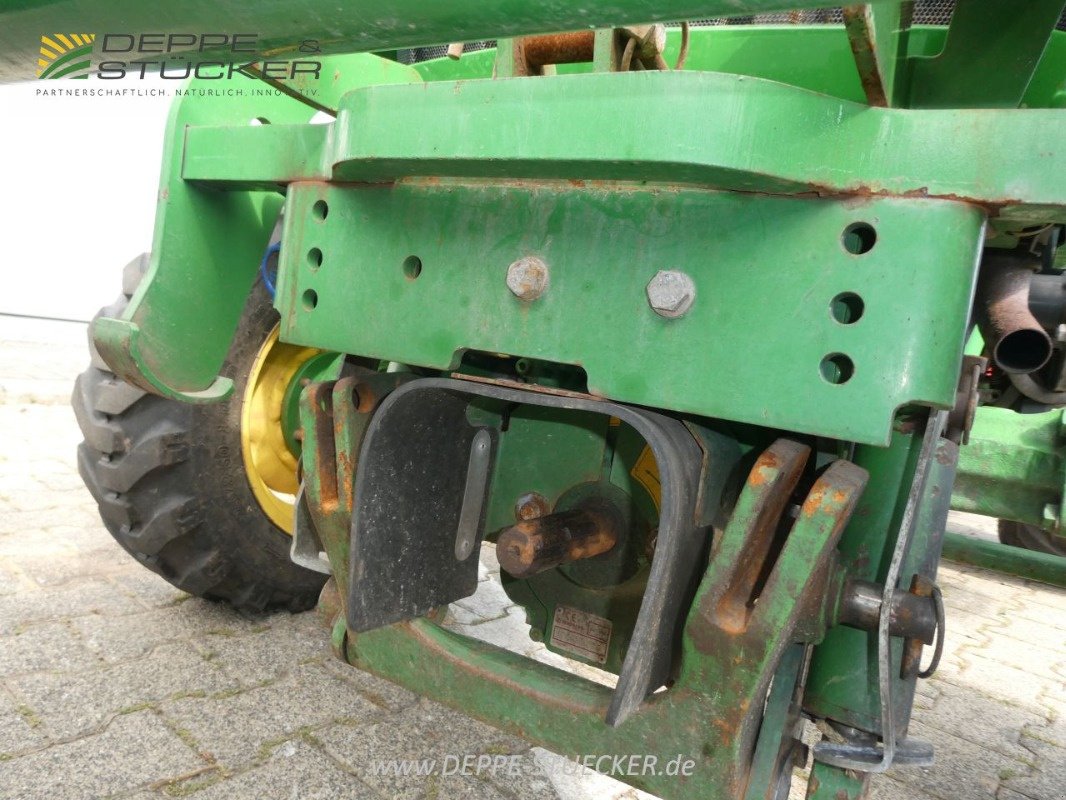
320	209
859	238
412	267
314	257
310	299
847	308
259	121
837	368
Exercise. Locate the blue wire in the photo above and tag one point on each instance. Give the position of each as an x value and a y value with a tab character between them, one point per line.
274	248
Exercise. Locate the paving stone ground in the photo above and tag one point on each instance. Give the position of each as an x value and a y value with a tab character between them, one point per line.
114	684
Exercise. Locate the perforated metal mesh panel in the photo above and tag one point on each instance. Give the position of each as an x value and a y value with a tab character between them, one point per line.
926	12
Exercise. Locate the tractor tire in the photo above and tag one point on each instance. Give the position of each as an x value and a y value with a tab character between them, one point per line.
1029	537
170	481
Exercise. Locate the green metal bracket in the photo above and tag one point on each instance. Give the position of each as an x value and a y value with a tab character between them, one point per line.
338	75
762	331
331	455
833	783
176	330
174	334
992	51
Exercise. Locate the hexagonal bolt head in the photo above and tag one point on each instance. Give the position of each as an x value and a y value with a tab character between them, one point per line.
527	278
531	506
671	293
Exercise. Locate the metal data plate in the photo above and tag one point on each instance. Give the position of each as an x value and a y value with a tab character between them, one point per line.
780	302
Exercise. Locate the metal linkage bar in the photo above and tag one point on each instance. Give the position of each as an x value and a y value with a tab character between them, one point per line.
1043	567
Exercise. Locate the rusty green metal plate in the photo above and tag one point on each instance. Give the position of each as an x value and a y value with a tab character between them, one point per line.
788	328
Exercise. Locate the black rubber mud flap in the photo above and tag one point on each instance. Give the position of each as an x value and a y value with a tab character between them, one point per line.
418	520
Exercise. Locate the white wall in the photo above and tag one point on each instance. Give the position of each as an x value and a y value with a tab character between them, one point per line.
78	178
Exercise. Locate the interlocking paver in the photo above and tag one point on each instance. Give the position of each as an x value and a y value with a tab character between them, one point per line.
94	596
1035	658
74	703
135	750
294	769
20	729
114	682
233	728
133	635
963	770
255	658
47	647
1047	778
426	731
1027	631
980	719
382	693
984	676
147	587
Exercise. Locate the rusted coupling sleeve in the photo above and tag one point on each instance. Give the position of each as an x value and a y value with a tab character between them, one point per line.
1017	341
911	616
559	48
535	545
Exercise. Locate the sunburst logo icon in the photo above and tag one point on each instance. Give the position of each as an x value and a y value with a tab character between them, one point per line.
65	55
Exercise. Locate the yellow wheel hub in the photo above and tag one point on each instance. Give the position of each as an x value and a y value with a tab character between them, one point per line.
271	467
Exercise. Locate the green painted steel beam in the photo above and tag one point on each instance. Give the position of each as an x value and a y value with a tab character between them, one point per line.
1014	466
1043	567
747	135
754	136
220	156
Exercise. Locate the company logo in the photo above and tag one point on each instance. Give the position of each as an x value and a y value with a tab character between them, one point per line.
206	56
65	55
172	56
